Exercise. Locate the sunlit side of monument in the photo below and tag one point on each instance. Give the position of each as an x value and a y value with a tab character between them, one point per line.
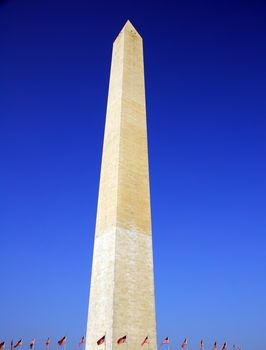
122	283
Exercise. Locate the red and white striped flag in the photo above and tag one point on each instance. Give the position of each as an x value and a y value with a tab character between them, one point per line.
32	344
101	340
145	341
214	346
184	343
62	341
201	344
224	347
165	341
18	344
2	345
122	340
47	343
82	341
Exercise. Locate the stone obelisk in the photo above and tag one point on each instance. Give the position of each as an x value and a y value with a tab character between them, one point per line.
122	283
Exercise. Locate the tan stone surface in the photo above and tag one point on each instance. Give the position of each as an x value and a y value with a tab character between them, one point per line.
122	285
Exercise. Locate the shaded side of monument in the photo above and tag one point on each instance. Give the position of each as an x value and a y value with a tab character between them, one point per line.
122	283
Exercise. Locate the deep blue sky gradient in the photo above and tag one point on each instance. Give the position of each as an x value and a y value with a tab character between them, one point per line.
205	87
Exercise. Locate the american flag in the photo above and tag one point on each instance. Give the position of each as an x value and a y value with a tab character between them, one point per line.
32	344
47	343
2	345
224	347
165	341
62	341
214	346
82	341
145	341
201	344
122	340
18	343
101	340
184	343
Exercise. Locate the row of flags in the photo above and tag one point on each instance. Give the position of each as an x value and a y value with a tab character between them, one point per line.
185	344
19	343
166	340
119	341
122	340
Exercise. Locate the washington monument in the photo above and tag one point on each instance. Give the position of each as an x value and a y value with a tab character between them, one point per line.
122	284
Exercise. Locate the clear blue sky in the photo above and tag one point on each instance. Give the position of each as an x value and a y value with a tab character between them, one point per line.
205	85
